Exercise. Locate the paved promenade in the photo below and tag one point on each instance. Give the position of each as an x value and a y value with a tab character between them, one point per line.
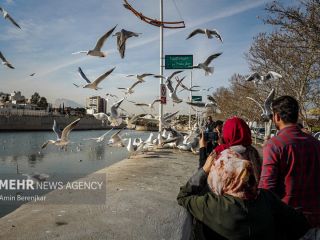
140	204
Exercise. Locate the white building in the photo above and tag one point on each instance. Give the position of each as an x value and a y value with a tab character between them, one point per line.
96	104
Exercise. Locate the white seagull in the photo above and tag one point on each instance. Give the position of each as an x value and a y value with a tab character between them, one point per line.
208	32
140	78
266	109
116	140
101	116
62	137
173	91
258	78
114	115
101	138
150	105
169	77
130	89
8	17
94	84
96	51
205	65
5	62
122	37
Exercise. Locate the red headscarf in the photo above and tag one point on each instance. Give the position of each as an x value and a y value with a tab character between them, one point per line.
235	132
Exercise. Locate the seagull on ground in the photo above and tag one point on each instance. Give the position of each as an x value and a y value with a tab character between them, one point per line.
116	140
8	17
101	138
5	62
130	89
258	78
140	78
96	51
122	37
205	65
94	84
266	109
208	32
62	137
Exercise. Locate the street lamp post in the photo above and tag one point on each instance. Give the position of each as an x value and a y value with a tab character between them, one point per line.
161	64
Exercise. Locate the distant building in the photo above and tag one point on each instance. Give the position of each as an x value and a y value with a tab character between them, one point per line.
96	104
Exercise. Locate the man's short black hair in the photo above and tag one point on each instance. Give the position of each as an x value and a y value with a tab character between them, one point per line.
219	123
287	107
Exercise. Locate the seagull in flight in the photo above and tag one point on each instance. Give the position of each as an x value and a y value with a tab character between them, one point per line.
258	78
32	74
96	51
116	140
94	84
101	116
184	87
150	105
114	115
8	17
208	32
5	62
169	77
207	89
140	78
266	108
130	89
122	37
205	65
62	137
101	138
173	91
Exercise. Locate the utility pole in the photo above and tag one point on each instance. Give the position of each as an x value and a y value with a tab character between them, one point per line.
161	64
190	100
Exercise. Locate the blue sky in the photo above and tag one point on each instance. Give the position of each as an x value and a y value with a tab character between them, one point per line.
52	30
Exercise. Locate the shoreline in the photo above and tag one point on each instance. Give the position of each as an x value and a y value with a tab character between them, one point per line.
140	203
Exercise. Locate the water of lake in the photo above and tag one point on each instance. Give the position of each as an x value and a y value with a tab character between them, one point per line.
20	152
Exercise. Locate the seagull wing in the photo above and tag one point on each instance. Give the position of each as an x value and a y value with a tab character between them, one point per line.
196	104
66	131
13	21
170	116
101	40
272	75
129	34
215	33
174	73
154	101
46	143
142	104
256	103
169	86
83	75
196	32
135	84
146	74
210	58
3	58
159	76
253	76
268	101
178	84
103	76
56	129
76	85
211	99
117	104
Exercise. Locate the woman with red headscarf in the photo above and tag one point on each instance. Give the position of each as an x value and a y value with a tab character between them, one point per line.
236	134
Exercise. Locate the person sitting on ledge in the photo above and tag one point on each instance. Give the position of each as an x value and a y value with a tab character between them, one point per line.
235	208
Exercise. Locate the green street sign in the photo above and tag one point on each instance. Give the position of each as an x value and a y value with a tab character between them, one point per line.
197	98
178	61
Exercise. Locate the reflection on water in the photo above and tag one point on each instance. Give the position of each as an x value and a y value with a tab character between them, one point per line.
20	152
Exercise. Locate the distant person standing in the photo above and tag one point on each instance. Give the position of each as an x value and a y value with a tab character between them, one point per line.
210	125
291	162
217	133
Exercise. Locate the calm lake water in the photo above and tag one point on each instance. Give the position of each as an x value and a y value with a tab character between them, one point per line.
22	151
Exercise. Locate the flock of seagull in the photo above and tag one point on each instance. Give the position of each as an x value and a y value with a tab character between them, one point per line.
174	138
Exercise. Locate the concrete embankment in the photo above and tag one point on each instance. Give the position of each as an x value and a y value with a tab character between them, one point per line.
140	204
41	123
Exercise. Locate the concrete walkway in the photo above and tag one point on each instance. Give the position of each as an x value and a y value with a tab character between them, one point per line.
140	204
